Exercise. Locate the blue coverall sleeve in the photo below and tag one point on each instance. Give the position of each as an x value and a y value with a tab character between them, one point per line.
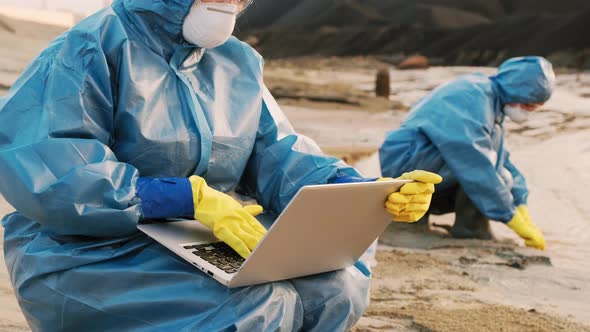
56	166
283	161
464	141
520	191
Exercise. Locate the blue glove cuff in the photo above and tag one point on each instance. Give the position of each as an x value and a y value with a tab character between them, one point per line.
520	201
165	197
349	179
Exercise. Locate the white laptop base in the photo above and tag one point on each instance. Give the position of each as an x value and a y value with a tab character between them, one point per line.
324	228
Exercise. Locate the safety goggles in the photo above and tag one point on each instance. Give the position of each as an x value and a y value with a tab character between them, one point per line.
242	4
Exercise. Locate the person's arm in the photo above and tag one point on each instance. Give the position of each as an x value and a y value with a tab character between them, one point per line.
56	166
459	130
519	190
283	161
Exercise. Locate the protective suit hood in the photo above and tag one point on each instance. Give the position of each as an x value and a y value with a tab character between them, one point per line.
524	80
158	23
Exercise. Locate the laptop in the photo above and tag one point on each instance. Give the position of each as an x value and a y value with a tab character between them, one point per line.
324	228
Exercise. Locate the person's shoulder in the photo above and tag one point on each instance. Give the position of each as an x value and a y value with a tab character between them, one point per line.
243	53
476	84
103	29
87	42
250	51
471	79
459	95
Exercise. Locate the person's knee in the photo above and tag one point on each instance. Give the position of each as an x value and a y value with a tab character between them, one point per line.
333	301
285	301
356	291
282	307
443	202
347	298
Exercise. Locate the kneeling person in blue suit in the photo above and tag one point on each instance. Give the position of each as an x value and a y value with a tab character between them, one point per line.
458	132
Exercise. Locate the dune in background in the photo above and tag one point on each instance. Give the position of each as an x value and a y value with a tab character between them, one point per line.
451	32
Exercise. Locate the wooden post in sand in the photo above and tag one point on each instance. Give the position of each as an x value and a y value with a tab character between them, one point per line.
383	83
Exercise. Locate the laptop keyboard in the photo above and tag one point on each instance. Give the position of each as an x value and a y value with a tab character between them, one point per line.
218	254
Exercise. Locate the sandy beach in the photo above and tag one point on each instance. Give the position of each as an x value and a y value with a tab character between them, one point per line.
425	280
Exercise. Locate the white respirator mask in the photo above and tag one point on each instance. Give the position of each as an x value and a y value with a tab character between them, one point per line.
516	113
209	25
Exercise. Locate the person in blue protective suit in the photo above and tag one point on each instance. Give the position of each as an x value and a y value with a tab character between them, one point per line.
146	110
458	132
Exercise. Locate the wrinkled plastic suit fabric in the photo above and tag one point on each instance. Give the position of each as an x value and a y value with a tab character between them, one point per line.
458	132
121	96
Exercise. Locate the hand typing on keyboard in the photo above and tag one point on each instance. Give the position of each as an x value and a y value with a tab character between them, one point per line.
218	254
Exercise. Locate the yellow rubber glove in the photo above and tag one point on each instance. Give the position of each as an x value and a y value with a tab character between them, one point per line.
413	200
523	225
229	220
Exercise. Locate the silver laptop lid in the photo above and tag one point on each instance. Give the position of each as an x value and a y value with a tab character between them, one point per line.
324	228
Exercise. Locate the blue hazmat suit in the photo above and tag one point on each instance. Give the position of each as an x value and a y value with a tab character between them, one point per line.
121	96
457	131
